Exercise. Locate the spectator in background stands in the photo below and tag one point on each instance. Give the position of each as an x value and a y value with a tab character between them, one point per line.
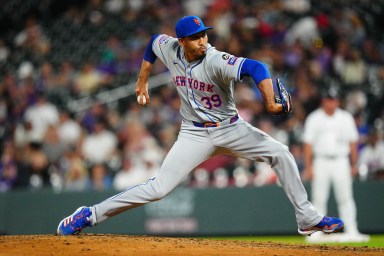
132	174
45	78
88	80
167	136
23	134
137	142
69	131
371	162
248	105
46	81
64	84
362	128
111	55
53	148
100	179
75	176
266	125
127	176
36	164
98	147
32	37
10	176
41	115
354	71
156	116
89	118
66	75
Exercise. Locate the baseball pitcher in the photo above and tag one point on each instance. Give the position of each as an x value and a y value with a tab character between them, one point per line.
205	78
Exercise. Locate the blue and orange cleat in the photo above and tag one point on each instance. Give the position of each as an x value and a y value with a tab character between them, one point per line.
73	224
327	225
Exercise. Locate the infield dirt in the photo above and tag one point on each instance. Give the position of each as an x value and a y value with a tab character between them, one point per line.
105	244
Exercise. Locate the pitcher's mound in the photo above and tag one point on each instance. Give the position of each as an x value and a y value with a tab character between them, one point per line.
86	244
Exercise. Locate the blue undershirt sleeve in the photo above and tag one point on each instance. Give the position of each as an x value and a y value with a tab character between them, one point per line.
255	69
149	55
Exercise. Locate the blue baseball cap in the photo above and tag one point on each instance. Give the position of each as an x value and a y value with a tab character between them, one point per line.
189	25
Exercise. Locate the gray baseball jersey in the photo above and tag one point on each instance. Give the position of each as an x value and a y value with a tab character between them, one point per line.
206	91
205	86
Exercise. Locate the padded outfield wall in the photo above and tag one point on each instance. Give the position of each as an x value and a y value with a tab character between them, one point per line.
186	211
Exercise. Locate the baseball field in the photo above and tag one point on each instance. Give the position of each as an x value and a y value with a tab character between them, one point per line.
108	244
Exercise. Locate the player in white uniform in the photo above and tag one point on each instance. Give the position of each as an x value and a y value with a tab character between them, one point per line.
330	154
204	78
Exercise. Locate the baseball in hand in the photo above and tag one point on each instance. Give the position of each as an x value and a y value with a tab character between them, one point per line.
143	99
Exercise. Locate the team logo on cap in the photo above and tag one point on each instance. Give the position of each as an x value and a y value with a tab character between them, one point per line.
197	21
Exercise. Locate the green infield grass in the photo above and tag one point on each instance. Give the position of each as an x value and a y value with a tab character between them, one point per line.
375	240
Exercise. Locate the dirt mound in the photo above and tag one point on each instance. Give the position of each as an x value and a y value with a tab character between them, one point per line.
144	245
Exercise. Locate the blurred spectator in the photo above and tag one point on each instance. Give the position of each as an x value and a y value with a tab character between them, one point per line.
297	6
354	71
41	115
69	131
371	162
362	128
32	38
74	172
137	142
53	147
112	53
45	78
247	103
264	175
23	134
36	164
242	173
167	136
201	178
127	176
65	75
88	80
99	146
25	71
9	173
340	56
100	179
355	102
89	118
304	31
195	7
267	126
114	6
220	178
63	82
45	83
156	116
135	174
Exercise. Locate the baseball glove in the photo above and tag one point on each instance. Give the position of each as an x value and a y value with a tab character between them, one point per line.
284	98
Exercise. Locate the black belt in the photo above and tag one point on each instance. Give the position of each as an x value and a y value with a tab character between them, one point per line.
213	124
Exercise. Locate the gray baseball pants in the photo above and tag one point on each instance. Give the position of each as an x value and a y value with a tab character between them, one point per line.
193	146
